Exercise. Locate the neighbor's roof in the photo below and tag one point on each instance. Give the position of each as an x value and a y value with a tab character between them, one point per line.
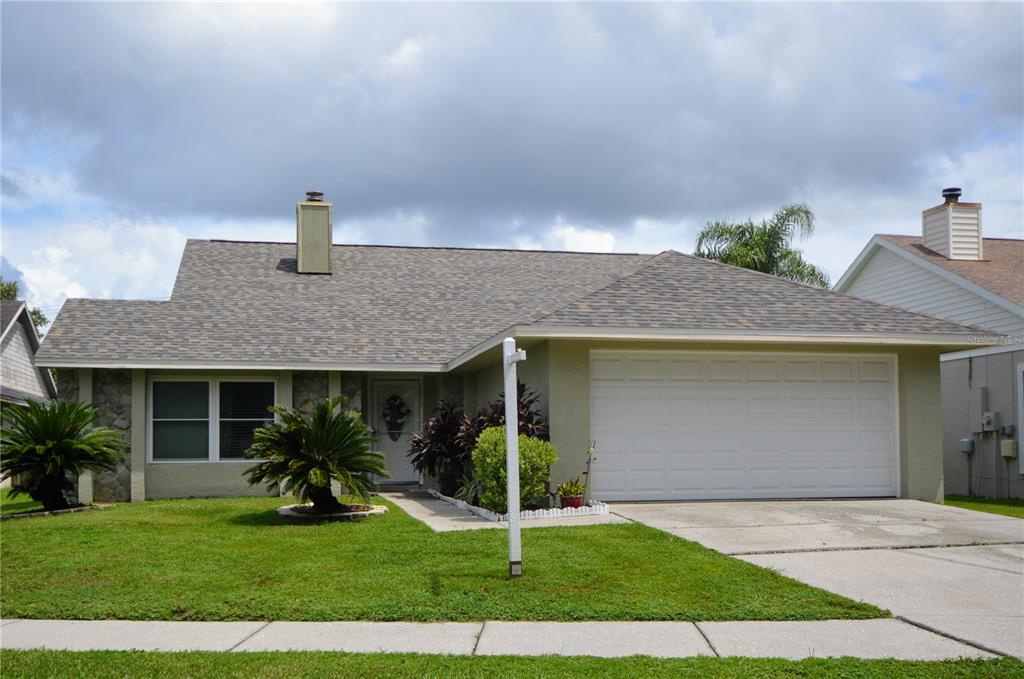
1001	271
242	303
9	310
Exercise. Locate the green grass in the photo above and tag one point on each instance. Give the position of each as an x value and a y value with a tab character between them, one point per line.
22	503
101	664
235	559
1006	507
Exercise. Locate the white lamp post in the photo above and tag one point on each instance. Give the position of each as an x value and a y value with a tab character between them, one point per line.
510	357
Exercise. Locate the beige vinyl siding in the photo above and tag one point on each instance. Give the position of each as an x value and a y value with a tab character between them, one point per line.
935	230
18	371
965	233
890	279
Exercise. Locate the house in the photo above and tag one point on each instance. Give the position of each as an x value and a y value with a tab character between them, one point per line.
695	379
21	379
952	272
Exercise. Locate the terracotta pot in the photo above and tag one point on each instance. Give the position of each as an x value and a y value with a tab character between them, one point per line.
571	500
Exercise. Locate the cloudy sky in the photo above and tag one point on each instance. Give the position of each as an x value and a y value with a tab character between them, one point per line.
128	128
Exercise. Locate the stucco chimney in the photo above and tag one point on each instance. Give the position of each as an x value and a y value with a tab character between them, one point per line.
953	229
313	234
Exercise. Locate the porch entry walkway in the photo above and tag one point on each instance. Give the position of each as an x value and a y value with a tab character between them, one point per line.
881	638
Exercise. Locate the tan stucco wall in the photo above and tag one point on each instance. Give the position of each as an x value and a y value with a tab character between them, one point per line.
209	479
920	426
567	375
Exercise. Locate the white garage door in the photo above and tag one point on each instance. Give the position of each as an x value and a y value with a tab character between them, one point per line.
695	425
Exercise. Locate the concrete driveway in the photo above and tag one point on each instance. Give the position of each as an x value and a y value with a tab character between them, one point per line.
954	571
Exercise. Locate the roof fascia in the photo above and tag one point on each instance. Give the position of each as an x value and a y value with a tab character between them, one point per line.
755	337
986	351
240	365
858	263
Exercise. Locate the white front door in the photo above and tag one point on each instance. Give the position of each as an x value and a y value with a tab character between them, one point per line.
395	416
691	425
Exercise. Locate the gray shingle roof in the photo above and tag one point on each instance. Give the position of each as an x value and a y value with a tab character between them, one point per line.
242	302
681	292
239	301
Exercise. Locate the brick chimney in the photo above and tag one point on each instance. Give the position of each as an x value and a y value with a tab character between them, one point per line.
313	234
953	229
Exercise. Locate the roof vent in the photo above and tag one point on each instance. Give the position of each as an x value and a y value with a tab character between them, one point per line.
953	229
949	195
313	233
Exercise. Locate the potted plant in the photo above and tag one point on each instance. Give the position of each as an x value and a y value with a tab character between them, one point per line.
570	493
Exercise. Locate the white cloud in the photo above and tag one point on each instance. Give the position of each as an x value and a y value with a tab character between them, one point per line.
114	258
406	56
635	122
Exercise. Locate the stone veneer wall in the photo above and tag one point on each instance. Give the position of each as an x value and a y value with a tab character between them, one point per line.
308	388
352	390
66	380
112	396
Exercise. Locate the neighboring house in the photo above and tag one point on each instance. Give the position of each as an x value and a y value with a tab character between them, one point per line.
952	272
696	379
20	378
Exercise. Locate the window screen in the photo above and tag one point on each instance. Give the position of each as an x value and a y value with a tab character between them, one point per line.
243	408
181	420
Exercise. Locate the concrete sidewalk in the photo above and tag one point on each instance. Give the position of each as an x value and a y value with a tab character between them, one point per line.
882	638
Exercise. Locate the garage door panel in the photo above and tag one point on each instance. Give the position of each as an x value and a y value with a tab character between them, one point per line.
684	425
685	370
875	371
763	370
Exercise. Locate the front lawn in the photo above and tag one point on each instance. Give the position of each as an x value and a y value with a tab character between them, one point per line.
235	559
22	503
1004	506
114	664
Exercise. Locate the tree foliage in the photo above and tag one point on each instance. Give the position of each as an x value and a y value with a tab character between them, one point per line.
765	247
302	456
44	446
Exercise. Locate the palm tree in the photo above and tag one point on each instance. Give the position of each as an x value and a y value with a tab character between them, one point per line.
44	445
764	247
302	456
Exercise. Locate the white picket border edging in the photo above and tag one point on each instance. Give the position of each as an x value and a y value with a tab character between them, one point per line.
590	509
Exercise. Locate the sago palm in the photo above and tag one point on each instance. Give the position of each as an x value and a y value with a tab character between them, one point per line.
44	445
765	247
302	456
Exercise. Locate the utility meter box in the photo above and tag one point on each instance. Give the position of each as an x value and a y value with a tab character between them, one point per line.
967	446
1008	448
988	421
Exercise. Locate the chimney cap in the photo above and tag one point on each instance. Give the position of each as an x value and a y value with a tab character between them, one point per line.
951	194
318	196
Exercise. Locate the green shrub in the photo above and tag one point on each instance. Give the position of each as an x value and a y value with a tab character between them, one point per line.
45	444
301	455
535	460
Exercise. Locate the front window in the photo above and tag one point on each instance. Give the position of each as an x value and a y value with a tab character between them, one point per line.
243	408
185	428
181	420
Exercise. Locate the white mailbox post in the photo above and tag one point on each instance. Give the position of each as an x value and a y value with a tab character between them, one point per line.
511	356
